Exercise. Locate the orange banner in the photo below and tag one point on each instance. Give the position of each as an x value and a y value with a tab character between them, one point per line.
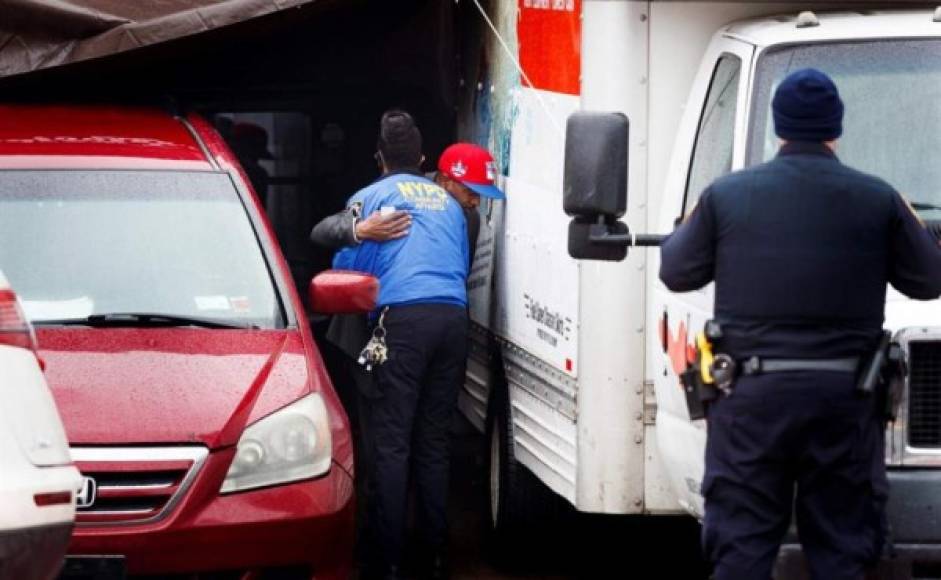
550	34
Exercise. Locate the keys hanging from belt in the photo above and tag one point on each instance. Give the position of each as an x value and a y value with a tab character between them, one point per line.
375	353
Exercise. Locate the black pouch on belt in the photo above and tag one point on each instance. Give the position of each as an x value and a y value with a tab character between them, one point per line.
698	381
698	393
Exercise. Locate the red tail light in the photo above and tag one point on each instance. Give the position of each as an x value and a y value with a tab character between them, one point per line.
15	330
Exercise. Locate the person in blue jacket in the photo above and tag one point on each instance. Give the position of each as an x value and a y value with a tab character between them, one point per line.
801	249
422	307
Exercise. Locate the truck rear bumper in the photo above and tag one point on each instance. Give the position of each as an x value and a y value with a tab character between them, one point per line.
915	518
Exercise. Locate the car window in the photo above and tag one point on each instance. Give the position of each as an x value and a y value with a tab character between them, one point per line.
76	243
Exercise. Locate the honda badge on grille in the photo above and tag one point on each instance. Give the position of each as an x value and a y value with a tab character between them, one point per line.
86	495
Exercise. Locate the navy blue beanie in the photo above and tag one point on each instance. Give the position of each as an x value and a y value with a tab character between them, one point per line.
807	107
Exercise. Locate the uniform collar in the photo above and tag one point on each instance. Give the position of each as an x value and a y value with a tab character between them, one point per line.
806	148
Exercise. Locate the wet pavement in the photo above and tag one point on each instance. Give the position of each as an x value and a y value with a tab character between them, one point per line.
579	546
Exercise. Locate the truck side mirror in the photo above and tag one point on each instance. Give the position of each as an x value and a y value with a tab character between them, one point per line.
595	182
343	292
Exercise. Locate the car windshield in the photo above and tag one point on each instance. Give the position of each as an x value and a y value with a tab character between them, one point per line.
80	244
892	124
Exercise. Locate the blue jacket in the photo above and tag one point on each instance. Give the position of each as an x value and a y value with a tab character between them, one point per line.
429	265
801	249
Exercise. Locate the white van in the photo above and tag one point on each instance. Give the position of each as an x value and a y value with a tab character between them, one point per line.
38	483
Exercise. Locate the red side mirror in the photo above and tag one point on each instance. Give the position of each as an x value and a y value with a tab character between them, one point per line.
343	292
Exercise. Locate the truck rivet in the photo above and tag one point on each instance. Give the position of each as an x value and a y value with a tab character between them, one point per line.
638	439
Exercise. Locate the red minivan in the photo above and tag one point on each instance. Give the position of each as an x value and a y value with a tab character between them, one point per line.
196	404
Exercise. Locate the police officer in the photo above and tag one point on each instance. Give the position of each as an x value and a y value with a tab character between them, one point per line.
423	315
801	249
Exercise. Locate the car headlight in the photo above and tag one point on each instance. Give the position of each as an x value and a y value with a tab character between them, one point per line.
291	444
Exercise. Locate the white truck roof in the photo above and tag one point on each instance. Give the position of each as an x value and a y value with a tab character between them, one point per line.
862	24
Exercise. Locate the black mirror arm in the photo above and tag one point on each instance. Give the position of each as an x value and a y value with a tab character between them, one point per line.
600	233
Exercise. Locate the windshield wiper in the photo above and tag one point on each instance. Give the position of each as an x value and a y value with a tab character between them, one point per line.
143	319
921	206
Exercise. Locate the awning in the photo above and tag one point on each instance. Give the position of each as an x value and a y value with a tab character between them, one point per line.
38	34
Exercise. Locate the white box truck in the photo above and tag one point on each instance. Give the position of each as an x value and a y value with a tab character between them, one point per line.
573	372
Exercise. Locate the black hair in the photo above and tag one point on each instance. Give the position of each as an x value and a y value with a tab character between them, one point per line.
399	140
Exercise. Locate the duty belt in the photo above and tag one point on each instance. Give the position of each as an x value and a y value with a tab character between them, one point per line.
757	365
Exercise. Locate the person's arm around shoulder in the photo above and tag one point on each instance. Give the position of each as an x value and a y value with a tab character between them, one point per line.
335	231
687	256
346	228
915	255
382	228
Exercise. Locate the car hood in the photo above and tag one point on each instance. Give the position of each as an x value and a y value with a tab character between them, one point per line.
145	386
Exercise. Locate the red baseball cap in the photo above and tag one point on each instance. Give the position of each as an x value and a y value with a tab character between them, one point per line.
473	166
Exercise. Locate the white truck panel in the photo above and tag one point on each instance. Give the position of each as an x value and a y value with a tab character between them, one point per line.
544	429
611	454
538	294
659	497
480	281
474	397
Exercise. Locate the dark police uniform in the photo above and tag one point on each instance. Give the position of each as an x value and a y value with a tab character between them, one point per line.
800	249
423	296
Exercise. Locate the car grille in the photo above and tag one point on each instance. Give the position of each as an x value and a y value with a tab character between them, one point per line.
134	484
924	398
